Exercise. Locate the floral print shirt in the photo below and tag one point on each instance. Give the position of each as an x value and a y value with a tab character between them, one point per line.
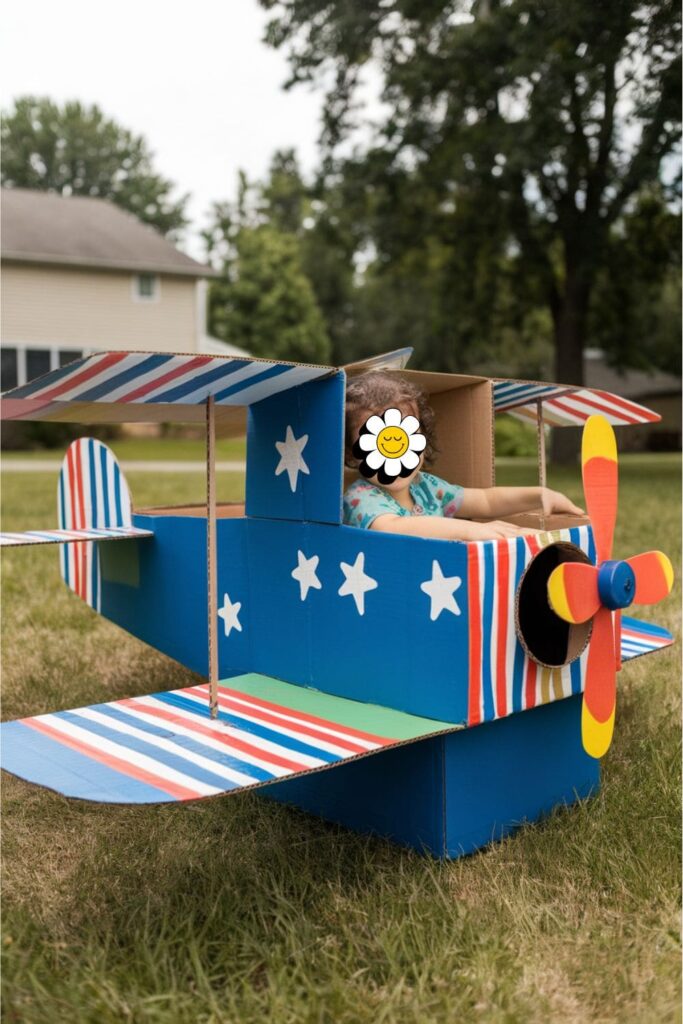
364	501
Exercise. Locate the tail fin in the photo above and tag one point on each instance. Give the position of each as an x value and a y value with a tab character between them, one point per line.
92	492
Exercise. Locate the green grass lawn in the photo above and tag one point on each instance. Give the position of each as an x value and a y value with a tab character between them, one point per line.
149	449
238	909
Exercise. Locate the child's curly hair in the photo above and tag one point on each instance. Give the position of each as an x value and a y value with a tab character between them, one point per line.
376	391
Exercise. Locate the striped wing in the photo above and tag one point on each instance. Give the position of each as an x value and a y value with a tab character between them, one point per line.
151	387
638	638
16	540
566	406
165	747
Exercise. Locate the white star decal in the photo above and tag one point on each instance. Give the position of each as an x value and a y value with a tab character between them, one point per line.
228	613
356	583
291	459
441	590
305	575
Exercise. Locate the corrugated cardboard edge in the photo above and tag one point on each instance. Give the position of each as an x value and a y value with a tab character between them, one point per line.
254	785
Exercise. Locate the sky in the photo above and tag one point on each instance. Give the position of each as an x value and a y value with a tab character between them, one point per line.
193	78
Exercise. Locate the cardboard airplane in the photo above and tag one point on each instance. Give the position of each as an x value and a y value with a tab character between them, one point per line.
463	664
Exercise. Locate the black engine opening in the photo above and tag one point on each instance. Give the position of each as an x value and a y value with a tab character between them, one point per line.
546	637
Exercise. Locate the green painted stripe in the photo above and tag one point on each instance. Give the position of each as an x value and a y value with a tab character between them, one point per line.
371	718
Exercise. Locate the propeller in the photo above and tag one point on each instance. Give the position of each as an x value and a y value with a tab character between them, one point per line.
578	592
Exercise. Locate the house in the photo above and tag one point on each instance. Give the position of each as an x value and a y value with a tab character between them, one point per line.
80	275
655	389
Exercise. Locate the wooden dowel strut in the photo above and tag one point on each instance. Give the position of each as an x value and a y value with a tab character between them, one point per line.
211	567
541	453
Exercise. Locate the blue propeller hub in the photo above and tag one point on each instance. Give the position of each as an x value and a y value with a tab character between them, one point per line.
616	584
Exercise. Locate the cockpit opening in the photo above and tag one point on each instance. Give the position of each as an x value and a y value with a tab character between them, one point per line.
546	638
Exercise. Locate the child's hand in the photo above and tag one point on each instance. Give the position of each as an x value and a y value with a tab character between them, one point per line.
498	530
553	501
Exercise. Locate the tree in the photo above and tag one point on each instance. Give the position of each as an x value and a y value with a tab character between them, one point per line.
263	301
327	237
76	150
545	118
635	318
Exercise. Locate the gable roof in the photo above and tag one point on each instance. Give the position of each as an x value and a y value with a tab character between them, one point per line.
79	231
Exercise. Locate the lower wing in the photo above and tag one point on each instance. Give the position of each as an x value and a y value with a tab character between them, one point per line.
165	747
639	638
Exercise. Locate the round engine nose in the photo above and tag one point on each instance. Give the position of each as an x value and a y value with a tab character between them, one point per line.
616	584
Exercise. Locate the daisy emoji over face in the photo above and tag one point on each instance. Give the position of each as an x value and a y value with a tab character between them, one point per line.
389	446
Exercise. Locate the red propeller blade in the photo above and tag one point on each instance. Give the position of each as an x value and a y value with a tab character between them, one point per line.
600	481
599	699
654	576
573	591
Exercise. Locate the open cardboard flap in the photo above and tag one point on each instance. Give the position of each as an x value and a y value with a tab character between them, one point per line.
165	747
463	408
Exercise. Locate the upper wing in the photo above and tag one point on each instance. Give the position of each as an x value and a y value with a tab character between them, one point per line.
566	406
165	747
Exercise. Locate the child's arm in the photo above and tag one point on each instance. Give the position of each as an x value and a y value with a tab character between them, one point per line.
482	503
441	528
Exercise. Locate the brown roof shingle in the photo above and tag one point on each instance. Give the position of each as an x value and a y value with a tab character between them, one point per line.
43	227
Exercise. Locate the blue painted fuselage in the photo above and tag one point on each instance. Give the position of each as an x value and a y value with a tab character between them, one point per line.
358	622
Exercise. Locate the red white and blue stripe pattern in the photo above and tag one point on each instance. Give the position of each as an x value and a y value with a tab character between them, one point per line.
141	381
92	493
641	638
166	747
566	406
502	679
15	540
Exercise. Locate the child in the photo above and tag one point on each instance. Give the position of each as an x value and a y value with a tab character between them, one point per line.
389	437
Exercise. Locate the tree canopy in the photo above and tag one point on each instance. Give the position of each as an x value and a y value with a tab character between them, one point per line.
264	299
76	150
514	142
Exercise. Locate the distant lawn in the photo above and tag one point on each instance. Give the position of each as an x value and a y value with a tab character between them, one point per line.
149	449
240	910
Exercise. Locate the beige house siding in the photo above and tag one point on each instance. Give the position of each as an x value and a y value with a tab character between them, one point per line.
91	309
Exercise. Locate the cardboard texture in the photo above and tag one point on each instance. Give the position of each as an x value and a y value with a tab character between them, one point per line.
355	629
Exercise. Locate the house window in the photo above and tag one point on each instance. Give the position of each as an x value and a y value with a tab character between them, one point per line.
69	355
146	287
9	377
37	362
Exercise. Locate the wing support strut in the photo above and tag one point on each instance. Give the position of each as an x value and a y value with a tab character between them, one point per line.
211	568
